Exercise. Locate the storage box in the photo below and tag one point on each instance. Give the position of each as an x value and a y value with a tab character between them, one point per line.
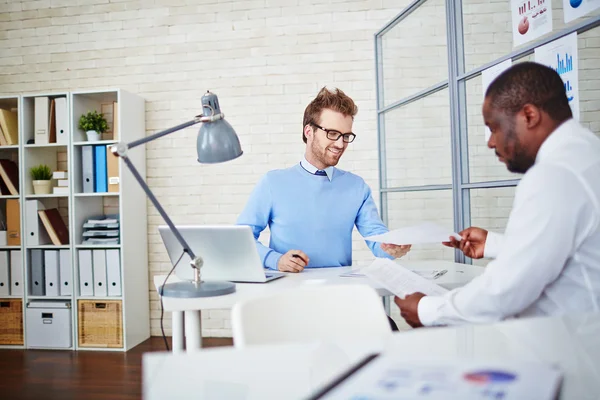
100	323
49	324
11	322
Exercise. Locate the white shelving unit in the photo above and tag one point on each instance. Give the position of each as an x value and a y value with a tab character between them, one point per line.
76	207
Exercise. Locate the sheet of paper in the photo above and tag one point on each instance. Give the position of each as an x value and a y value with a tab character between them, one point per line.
389	377
530	20
562	56
399	280
578	8
427	232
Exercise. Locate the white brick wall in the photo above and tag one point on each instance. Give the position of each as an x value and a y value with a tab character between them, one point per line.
266	60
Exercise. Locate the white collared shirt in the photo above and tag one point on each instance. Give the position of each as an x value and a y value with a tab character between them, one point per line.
548	260
312	169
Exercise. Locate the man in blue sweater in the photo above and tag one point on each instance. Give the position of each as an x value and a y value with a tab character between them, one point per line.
312	207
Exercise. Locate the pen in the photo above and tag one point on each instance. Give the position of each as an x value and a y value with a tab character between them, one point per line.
297	256
440	273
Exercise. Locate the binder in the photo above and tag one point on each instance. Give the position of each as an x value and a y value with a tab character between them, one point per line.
100	169
62	120
52	123
10	126
13	222
9	173
16	273
87	168
112	168
86	280
36	233
113	272
42	116
99	267
51	274
65	273
37	285
4	274
54	226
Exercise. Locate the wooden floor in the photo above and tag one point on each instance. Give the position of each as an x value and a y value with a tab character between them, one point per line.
81	375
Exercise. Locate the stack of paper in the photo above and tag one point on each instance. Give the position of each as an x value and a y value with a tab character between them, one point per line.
427	232
400	280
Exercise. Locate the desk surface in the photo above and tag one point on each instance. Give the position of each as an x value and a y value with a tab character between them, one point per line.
294	371
457	275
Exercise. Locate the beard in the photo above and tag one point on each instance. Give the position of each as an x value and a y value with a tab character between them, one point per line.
520	162
325	156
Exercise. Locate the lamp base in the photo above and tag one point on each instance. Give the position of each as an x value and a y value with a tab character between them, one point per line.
191	289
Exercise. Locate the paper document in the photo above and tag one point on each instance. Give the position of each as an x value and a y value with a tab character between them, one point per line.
399	280
390	377
427	232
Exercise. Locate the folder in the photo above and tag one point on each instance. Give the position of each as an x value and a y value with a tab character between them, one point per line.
107	111
99	267
86	280
51	273
112	169
87	168
10	126
52	123
115	121
113	272
100	169
65	273
36	234
55	226
62	120
40	122
13	222
16	273
9	173
37	285
4	274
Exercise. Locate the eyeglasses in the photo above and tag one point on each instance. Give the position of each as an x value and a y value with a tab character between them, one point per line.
334	135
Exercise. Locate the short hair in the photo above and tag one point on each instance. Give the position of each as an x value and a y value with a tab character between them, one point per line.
530	83
335	100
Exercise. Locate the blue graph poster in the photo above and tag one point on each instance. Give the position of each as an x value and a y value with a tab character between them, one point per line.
578	8
561	55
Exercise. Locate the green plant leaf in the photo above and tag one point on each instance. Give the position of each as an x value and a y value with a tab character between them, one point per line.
92	121
41	173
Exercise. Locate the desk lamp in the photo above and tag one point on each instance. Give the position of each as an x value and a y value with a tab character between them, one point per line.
217	142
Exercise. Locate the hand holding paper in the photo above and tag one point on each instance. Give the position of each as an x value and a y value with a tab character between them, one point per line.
427	232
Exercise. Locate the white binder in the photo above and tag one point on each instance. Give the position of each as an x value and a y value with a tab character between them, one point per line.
86	280
87	169
113	272
99	257
62	120
36	233
16	273
41	119
4	274
51	272
66	286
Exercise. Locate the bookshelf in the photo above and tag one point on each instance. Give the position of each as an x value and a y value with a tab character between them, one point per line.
75	208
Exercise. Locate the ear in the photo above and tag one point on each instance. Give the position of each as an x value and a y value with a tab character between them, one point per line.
308	131
533	116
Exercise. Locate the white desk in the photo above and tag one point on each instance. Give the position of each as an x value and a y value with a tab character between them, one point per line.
294	371
457	275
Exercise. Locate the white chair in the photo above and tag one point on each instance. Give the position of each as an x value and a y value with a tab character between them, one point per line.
326	312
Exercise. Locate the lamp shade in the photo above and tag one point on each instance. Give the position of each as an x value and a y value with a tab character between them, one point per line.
217	141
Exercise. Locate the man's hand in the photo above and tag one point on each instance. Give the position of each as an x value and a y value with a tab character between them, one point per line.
472	243
409	308
395	250
293	261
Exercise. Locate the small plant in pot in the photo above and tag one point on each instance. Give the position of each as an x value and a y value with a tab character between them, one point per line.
93	124
42	179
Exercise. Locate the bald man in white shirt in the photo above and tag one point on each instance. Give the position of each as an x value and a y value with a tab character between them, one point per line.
548	260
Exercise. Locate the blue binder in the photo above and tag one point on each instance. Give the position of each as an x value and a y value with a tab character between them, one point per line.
101	182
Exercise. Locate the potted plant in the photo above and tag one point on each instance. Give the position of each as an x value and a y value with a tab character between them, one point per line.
93	124
42	179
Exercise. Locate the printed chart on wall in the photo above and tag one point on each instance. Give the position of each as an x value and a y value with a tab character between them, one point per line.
578	8
530	20
487	77
561	55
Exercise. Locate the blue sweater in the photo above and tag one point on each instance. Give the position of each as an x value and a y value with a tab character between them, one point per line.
311	213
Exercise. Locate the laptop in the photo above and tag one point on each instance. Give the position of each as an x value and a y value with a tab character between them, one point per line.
229	253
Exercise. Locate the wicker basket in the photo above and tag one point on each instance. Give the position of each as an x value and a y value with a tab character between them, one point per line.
100	324
11	321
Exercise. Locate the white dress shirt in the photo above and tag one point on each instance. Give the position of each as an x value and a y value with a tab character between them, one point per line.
548	260
312	169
